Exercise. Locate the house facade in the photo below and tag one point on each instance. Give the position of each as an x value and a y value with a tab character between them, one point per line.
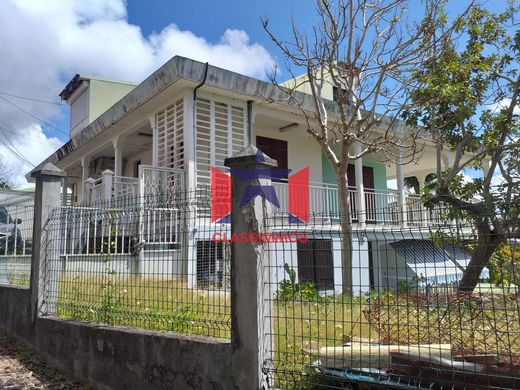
188	117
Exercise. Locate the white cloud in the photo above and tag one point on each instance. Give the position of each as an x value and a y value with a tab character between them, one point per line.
44	43
33	146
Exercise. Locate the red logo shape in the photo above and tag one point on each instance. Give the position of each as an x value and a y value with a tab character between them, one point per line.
220	195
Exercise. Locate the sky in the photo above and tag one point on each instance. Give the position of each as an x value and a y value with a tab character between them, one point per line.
45	43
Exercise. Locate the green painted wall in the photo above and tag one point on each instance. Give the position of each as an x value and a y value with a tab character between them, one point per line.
379	172
104	94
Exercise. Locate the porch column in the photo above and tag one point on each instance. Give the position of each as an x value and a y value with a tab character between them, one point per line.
399	174
118	157
155	141
85	174
360	189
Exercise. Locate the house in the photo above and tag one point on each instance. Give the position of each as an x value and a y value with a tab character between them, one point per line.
188	117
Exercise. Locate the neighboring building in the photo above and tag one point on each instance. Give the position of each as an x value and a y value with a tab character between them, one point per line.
190	116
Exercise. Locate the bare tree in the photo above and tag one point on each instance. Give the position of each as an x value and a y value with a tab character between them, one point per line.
6	175
365	50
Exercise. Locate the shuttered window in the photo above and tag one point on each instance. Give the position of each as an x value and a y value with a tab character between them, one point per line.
316	264
170	136
220	133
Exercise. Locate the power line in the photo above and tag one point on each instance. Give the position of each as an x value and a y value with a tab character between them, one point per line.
32	99
14	150
32	115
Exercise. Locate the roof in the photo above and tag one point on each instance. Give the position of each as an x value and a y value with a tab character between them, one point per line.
76	81
434	264
192	71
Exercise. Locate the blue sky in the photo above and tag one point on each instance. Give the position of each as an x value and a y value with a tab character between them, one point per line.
48	42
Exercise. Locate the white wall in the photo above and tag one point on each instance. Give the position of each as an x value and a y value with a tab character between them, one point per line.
302	151
129	161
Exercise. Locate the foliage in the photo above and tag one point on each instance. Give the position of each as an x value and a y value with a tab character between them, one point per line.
504	266
291	290
468	102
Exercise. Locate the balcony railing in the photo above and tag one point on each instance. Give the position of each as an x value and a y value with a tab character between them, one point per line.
161	187
381	206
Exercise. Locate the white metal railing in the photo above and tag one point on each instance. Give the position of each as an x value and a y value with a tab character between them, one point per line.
95	190
125	186
381	206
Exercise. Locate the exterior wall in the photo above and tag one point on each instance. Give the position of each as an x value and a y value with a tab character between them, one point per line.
326	92
115	357
79	113
103	94
302	151
129	165
379	172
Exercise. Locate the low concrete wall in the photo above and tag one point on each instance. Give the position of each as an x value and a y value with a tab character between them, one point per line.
118	358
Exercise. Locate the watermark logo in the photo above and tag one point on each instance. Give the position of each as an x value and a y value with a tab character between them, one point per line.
297	192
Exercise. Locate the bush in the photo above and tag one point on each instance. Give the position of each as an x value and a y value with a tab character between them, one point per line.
290	290
504	266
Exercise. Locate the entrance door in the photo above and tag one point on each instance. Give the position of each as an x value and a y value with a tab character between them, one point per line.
274	148
370	196
316	263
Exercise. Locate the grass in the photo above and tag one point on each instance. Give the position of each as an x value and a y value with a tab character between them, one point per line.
483	323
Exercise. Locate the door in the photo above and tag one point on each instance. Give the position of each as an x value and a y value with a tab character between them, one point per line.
316	264
368	185
276	149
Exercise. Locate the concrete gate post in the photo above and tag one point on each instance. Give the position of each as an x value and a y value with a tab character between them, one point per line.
251	322
47	196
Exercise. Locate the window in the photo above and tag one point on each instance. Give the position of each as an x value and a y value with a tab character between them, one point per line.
276	149
211	264
316	263
335	94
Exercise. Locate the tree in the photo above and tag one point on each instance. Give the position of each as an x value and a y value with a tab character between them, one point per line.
366	50
6	174
468	103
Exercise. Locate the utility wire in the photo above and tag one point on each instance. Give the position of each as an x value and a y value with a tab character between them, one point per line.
32	115
32	99
12	148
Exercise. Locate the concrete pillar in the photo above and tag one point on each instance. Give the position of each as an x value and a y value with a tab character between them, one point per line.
85	174
360	188
399	174
155	140
251	324
47	196
118	157
87	194
108	183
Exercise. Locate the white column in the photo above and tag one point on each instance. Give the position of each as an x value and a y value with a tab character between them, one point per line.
189	267
85	174
155	141
189	141
360	189
108	181
399	173
118	157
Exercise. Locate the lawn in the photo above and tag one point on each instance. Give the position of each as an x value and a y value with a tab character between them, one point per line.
471	324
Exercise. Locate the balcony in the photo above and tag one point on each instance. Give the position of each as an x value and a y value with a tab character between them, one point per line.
380	207
163	187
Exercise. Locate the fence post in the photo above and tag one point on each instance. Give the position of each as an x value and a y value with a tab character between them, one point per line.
251	329
47	196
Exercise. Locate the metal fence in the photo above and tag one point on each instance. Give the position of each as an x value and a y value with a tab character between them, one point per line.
16	224
400	322
147	265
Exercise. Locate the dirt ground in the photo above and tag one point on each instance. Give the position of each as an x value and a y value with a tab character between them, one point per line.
22	370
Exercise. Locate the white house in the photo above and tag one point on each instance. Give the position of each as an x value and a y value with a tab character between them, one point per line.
189	116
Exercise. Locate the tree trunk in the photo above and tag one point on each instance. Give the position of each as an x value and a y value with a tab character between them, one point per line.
346	232
487	243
